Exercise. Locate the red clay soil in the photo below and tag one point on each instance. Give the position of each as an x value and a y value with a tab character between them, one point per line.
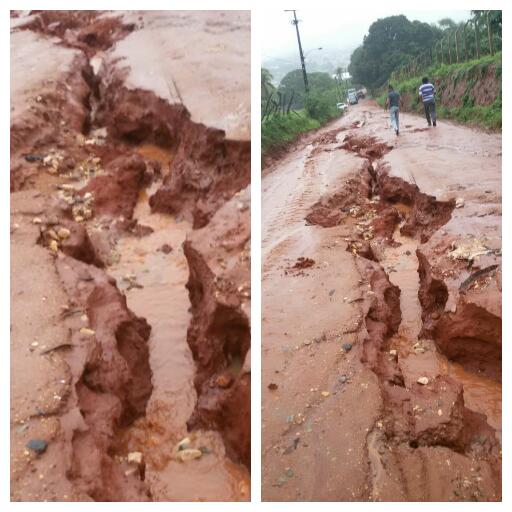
451	429
56	114
331	209
427	214
419	417
468	328
365	146
303	262
206	172
77	243
471	337
207	169
80	29
329	137
219	335
111	381
107	351
115	193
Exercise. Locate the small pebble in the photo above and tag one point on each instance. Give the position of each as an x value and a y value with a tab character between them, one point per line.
63	233
135	457
37	445
184	444
189	454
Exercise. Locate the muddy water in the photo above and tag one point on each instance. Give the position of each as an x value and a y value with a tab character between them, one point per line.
161	155
154	283
481	394
163	301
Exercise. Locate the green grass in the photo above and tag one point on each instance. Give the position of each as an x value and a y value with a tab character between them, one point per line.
469	73
278	131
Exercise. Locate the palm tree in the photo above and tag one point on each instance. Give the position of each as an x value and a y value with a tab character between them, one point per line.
267	87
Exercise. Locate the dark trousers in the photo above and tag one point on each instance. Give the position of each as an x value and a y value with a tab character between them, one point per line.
430	111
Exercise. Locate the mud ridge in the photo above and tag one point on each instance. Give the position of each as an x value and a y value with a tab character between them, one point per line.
219	333
111	382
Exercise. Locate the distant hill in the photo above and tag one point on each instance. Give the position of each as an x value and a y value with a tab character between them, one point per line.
326	60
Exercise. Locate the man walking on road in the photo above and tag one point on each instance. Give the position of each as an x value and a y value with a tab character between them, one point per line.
427	94
393	102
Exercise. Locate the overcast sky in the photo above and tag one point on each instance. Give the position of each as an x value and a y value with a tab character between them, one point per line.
341	28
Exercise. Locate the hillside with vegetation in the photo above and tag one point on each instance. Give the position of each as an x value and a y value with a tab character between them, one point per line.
468	92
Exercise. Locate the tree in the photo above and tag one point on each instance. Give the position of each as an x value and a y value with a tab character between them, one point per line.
447	24
389	44
495	17
322	105
293	82
267	87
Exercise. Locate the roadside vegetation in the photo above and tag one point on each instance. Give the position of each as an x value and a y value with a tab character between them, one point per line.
288	111
468	92
278	131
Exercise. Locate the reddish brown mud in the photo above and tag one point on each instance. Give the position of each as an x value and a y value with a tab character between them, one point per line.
115	393
219	285
380	380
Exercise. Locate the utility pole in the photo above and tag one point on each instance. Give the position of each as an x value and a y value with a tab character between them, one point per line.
295	22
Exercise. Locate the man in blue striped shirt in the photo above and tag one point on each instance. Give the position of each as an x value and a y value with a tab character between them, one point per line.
427	94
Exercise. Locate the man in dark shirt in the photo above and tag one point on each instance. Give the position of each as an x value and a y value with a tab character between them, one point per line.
393	102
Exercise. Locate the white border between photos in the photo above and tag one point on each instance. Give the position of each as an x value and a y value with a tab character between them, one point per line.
260	10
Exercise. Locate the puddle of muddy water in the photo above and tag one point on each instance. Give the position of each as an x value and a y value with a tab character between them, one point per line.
481	394
163	156
163	301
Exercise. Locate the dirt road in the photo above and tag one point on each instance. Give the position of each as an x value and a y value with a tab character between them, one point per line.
130	251
381	333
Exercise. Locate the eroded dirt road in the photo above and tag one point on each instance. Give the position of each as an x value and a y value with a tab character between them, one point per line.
130	251
381	333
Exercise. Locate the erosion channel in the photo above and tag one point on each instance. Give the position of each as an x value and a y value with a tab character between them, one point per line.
389	387
130	251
